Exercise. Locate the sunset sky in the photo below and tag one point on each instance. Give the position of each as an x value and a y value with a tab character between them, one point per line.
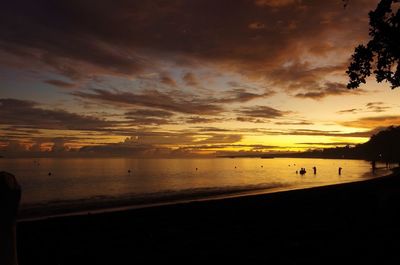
184	78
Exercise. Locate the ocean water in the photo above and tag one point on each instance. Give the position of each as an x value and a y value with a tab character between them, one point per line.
87	184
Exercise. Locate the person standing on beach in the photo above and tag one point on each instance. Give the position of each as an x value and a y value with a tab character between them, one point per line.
373	165
340	171
315	170
10	196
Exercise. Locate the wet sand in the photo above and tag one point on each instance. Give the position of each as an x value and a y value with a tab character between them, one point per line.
353	222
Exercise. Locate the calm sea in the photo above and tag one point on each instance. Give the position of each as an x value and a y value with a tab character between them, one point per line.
90	184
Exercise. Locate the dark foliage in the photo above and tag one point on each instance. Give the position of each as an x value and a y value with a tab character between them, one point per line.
382	53
383	146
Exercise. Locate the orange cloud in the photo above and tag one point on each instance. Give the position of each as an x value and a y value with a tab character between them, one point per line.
373	122
256	25
167	80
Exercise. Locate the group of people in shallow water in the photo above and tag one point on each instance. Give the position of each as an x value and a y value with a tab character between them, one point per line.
303	170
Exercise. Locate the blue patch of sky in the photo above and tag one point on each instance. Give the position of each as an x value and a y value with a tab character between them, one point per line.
29	85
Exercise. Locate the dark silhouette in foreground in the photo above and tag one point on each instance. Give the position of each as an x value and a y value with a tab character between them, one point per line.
10	195
381	55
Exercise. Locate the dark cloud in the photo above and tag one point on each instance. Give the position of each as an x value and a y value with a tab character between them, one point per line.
235	84
199	119
242	95
294	123
190	79
148	117
172	101
152	99
126	149
257	38
142	144
28	114
328	89
275	3
260	114
309	132
158	146
236	146
377	106
305	80
149	113
59	145
60	83
58	34
167	80
302	75
184	138
13	147
363	134
250	119
348	111
212	129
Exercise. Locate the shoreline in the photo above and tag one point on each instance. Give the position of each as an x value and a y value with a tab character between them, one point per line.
356	221
132	202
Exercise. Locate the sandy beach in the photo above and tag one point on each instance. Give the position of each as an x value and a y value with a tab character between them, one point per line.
332	224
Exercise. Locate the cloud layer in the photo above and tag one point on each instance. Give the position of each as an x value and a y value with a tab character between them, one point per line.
180	77
260	38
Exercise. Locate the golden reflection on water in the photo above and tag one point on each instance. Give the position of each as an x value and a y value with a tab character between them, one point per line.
73	179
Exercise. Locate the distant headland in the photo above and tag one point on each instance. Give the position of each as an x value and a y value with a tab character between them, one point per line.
383	146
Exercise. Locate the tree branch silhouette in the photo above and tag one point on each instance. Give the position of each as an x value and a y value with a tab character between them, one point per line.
381	55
